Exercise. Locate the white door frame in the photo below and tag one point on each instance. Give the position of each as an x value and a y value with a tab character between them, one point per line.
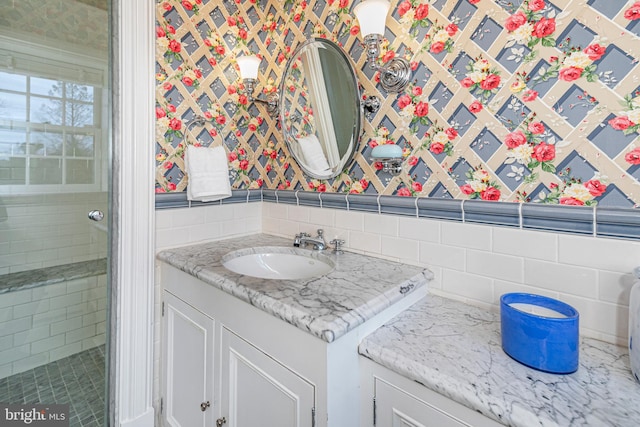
132	215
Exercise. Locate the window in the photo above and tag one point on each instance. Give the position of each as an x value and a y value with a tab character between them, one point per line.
48	131
51	133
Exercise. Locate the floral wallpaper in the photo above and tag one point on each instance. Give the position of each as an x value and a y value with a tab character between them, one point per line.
510	100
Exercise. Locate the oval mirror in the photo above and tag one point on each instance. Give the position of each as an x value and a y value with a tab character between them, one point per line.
320	108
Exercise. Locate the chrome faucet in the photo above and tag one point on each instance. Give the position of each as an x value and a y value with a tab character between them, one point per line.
304	239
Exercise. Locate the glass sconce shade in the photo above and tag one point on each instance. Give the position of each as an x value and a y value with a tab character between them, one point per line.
372	16
248	66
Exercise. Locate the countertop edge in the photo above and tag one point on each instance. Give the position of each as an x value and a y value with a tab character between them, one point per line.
320	328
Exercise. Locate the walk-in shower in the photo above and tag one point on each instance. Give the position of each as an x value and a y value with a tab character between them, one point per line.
54	160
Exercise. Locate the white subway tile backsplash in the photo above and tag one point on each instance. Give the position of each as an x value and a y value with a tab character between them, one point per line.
525	243
163	219
497	266
466	235
468	286
286	228
172	237
322	217
349	220
570	279
203	232
615	287
298	213
602	317
190	217
451	257
501	287
369	242
381	224
214	213
425	230
600	253
275	210
402	249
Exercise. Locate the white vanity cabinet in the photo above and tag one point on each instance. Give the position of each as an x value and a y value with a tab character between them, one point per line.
188	364
258	391
391	400
264	370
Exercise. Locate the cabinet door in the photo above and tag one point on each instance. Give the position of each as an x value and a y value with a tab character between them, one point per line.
188	365
259	391
397	408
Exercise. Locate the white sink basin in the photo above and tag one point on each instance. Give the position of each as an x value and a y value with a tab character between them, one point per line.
278	263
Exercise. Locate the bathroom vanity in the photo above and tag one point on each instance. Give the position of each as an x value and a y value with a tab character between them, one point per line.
363	345
246	351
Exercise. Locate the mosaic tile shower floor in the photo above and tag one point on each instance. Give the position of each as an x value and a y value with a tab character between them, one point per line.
78	380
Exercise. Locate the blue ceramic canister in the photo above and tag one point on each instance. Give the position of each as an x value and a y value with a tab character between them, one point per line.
540	332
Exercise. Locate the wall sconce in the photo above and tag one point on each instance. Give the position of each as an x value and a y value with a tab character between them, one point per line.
248	66
390	155
372	15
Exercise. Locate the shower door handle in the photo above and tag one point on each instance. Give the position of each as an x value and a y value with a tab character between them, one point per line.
96	215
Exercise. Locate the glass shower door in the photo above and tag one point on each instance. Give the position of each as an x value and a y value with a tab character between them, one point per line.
54	192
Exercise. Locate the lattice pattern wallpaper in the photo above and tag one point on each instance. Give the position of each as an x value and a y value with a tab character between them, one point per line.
520	100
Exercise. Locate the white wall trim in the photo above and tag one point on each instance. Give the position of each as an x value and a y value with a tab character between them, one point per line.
132	213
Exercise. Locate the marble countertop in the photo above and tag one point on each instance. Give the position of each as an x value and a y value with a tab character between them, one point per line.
358	288
455	350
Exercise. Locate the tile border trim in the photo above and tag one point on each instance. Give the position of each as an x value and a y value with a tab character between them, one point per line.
622	223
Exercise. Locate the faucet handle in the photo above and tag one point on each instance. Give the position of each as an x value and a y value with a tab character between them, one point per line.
336	246
320	232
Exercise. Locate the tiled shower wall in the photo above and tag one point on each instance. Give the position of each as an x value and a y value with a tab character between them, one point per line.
48	323
539	96
50	229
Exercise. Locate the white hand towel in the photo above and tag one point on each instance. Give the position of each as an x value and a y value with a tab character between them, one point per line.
313	155
208	173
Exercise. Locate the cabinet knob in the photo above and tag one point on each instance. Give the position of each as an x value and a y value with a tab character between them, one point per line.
204	405
221	421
